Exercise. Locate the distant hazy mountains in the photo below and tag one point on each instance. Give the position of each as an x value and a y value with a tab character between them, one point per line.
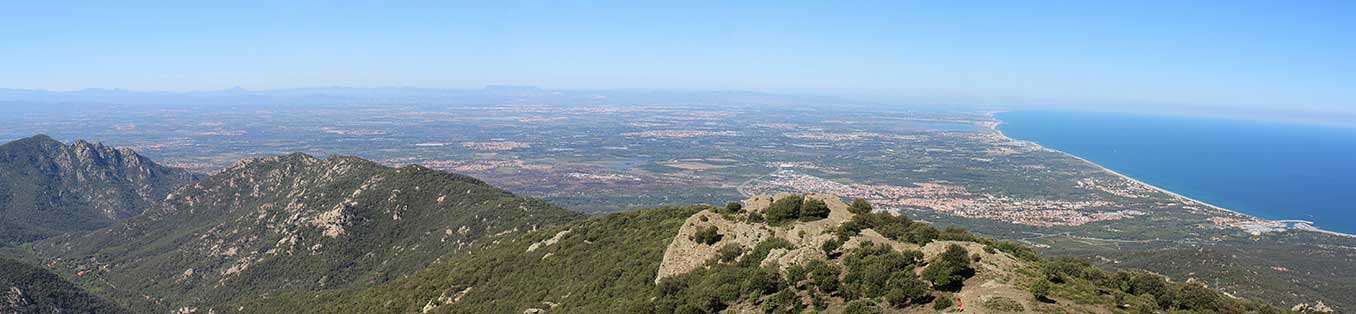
292	223
60	101
48	188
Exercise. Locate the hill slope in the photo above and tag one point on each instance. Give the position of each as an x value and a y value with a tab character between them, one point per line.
48	188
289	223
26	288
791	255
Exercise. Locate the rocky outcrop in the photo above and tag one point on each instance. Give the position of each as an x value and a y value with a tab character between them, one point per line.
996	276
1315	308
685	254
13	300
47	187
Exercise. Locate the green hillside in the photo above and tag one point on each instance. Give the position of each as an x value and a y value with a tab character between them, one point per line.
26	288
48	188
863	263
292	223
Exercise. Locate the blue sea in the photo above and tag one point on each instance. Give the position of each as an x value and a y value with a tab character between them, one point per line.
1271	170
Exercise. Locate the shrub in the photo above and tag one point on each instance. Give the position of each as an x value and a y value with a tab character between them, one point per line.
1004	304
780	302
1142	283
730	252
955	233
713	289
871	267
950	269
922	234
707	235
813	209
955	254
754	218
895	227
860	206
784	209
671	286
795	274
761	250
1061	269
734	207
830	246
1040	290
861	307
942	302
849	229
824	276
905	289
1012	248
1194	296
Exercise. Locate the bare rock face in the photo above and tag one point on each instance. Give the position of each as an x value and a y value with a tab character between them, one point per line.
1315	308
47	187
685	254
296	222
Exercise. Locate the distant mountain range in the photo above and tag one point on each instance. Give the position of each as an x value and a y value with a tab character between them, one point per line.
333	96
48	188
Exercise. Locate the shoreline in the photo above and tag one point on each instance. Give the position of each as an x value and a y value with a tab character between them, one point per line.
1304	225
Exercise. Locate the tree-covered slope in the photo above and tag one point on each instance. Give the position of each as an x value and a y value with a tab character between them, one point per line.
290	223
26	288
601	265
48	188
764	256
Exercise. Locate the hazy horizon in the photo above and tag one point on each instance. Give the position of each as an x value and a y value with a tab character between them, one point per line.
1230	55
415	94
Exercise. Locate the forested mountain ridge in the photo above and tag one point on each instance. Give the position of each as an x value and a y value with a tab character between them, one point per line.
289	223
48	188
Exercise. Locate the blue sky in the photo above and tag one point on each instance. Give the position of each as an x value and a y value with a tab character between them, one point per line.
1272	55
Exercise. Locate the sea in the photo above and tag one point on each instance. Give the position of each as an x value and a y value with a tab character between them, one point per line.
1273	170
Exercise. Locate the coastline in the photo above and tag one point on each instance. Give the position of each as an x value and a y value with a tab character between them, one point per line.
1299	224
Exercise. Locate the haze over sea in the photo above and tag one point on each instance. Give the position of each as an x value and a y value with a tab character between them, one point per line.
1265	169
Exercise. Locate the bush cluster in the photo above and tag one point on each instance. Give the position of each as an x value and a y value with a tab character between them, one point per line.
895	227
949	270
707	235
796	207
1137	291
875	271
860	206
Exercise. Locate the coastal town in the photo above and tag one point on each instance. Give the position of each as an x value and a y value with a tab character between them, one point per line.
944	198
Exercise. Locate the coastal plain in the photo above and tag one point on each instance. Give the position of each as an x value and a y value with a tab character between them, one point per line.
942	167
